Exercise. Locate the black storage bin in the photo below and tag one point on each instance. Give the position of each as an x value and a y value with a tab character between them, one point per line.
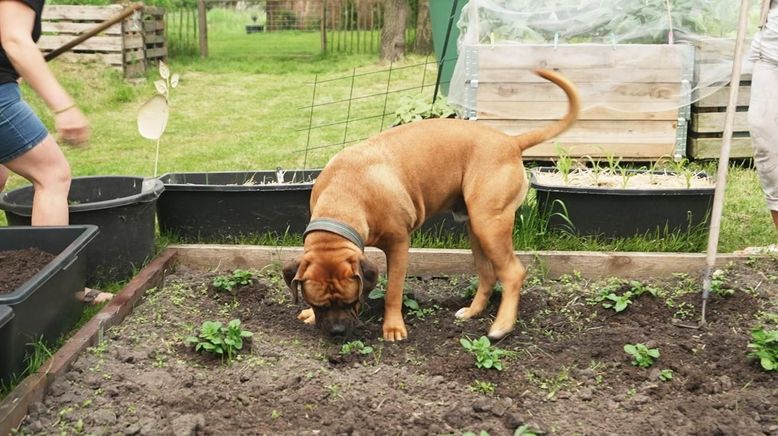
45	306
123	207
623	212
222	205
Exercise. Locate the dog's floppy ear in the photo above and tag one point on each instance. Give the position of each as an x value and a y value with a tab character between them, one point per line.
368	274
293	272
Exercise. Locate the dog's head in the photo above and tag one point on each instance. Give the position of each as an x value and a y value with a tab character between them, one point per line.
333	286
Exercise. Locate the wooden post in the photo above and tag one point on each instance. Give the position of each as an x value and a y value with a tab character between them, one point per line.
324	26
203	28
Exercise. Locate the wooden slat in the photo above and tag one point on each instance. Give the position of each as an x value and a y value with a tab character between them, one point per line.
584	132
154	39
131	56
80	13
114	59
70	28
160	52
709	148
153	25
97	43
133	41
635	93
426	261
555	110
135	70
617	73
527	56
713	122
624	150
719	97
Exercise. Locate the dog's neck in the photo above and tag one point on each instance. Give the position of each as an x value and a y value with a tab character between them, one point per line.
337	227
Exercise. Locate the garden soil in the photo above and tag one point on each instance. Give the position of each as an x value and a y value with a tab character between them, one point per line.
18	266
567	372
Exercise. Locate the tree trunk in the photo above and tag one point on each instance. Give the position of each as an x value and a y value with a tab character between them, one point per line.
393	32
423	43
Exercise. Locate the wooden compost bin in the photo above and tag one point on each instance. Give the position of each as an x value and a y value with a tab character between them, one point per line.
632	122
707	122
122	46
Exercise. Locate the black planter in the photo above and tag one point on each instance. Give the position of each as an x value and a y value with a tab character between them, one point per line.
122	207
622	212
46	306
254	28
210	207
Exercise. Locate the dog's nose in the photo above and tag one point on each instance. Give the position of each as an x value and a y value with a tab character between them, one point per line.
338	330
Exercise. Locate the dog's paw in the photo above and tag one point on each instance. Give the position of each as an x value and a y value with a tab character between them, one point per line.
395	332
465	313
497	333
307	316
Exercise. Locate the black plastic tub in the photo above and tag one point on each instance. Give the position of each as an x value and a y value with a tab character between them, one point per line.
623	212
123	207
46	306
218	206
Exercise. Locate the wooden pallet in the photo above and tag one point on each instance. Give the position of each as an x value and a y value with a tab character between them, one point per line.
122	46
636	120
707	122
154	34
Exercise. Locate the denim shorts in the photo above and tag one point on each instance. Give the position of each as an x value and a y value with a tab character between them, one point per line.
20	128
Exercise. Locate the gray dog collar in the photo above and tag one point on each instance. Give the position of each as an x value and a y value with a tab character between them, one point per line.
336	227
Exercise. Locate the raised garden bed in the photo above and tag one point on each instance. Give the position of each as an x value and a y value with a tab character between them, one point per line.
567	372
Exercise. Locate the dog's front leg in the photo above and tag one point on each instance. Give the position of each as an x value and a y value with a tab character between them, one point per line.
396	265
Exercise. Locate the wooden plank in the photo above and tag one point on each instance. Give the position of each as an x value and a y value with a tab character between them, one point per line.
33	388
626	150
135	70
719	97
622	74
602	56
635	93
154	39
131	56
153	11
80	13
133	41
97	43
713	122
426	261
635	132
70	28
710	148
113	59
555	110
153	25
154	53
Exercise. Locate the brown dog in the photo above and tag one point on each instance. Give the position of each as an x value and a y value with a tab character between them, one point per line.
378	192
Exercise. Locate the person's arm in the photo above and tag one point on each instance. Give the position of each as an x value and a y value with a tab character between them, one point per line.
16	23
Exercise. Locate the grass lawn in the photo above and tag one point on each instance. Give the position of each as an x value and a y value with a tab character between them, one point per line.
247	107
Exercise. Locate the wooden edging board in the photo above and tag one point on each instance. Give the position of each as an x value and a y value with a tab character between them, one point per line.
422	261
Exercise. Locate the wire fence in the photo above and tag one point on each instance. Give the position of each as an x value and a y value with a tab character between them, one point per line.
348	109
181	32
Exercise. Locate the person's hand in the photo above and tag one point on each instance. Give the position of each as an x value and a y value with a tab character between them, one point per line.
72	126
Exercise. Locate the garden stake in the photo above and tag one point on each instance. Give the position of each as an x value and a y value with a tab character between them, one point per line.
721	178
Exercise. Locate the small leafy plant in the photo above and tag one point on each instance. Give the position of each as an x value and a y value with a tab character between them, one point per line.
619	303
416	108
482	387
764	346
413	306
355	347
486	355
642	356
718	284
231	282
666	374
219	340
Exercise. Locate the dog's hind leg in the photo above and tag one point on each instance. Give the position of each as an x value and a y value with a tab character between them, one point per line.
486	281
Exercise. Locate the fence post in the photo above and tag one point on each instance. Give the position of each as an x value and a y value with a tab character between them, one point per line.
203	28
324	26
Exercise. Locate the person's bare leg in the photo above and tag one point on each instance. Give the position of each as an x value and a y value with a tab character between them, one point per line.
3	177
774	213
47	169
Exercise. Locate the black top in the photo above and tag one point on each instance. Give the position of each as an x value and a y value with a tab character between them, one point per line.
7	71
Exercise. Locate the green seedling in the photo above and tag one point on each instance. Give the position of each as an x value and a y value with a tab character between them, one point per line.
526	430
564	164
482	387
718	284
472	287
355	347
413	306
642	356
230	283
764	346
666	374
596	170
619	303
416	108
219	340
486	355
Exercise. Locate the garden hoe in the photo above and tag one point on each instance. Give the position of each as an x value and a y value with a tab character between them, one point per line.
723	166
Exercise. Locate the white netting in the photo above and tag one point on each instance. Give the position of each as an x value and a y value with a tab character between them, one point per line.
504	36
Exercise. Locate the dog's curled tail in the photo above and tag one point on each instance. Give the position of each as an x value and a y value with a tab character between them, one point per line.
535	137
